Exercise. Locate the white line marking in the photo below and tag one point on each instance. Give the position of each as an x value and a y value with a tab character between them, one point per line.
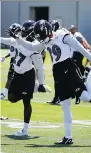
35	124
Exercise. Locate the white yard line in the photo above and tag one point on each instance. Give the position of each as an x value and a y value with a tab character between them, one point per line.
46	125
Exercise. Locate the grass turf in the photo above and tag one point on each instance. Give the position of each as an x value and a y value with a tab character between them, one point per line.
41	139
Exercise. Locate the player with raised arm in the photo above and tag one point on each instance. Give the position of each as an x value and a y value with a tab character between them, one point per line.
65	73
15	28
23	82
36	57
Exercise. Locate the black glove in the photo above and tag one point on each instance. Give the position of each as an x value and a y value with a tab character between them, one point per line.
11	34
41	88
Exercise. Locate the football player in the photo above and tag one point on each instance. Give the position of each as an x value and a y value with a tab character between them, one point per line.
15	28
78	57
65	74
5	90
55	26
36	57
23	82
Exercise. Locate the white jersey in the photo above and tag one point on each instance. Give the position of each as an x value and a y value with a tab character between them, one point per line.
23	62
69	41
12	52
57	48
78	34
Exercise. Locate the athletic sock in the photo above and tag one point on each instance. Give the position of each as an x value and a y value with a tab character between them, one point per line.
5	91
26	125
66	105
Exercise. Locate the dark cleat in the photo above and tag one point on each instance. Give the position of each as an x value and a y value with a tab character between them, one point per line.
64	141
54	102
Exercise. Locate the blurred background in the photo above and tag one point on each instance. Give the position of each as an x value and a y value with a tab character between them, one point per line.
67	12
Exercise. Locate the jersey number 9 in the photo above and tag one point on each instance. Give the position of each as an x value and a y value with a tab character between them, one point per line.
55	51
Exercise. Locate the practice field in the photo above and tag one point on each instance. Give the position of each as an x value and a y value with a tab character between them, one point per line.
46	125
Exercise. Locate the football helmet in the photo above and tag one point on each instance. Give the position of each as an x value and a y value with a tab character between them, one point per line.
43	30
15	28
28	30
55	25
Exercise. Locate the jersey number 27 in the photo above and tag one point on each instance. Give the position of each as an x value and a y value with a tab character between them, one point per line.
22	58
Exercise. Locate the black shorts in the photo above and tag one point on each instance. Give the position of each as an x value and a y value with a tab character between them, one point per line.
22	85
77	59
11	69
67	80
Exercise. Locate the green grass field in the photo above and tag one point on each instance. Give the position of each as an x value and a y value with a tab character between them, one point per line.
46	122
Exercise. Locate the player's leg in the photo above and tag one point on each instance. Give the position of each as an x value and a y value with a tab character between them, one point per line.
27	117
27	95
9	79
84	90
66	106
81	90
14	92
27	114
86	72
86	95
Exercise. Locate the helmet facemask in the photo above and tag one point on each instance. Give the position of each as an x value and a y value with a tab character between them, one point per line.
15	28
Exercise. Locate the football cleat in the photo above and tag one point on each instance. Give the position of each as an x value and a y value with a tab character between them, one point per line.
47	88
4	118
41	88
44	88
21	133
2	96
55	101
65	141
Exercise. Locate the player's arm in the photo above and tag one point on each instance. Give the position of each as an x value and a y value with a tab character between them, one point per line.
70	40
38	63
7	41
2	59
83	42
8	55
30	46
86	43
